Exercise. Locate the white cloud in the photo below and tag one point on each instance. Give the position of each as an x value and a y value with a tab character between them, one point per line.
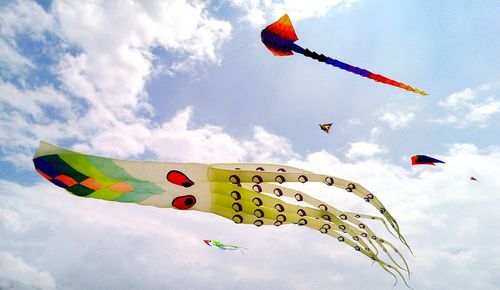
11	61
258	12
102	71
458	99
175	140
375	133
472	106
449	119
17	274
26	16
364	149
396	119
482	112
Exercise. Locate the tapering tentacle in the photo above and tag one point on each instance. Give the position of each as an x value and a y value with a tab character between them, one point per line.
315	223
328	212
250	208
224	175
243	205
371	217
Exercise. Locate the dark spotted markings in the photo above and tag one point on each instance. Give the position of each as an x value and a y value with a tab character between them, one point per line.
257	201
279	207
237	207
234	179
303	179
179	178
184	202
237	218
257	188
302	222
329	181
281	218
258	223
301	212
299	197
236	195
278	192
257	179
279	179
259	213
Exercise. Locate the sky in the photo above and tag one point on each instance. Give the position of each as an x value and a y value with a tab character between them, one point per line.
190	81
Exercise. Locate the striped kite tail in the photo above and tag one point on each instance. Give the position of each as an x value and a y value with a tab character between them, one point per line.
355	70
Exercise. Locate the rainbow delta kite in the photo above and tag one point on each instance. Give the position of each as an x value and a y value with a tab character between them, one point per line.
245	193
326	127
280	38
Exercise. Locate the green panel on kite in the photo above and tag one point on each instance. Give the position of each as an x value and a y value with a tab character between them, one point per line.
81	190
60	165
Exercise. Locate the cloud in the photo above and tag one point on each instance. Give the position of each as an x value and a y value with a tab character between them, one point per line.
208	143
259	12
97	75
471	106
12	62
16	274
396	118
364	149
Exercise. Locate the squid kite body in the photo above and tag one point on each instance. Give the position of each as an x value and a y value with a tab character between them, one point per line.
245	193
280	37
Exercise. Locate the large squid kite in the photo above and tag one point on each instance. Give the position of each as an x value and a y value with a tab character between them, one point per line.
279	37
245	193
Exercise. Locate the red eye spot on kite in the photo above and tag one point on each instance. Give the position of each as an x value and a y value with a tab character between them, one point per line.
178	178
184	202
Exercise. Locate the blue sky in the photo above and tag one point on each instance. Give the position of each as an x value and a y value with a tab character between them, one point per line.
191	82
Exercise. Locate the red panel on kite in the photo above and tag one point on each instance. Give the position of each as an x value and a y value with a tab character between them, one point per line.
424	160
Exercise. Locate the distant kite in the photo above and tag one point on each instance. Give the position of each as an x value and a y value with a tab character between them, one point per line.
424	160
217	244
280	36
473	178
326	127
246	193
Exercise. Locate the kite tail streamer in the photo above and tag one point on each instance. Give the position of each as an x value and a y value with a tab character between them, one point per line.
353	69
